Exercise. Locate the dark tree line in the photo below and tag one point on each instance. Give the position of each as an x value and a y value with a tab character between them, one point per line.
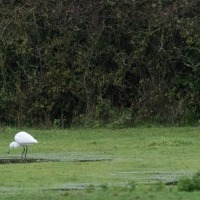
84	62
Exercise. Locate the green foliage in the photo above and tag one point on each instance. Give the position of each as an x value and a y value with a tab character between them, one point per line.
131	186
64	61
104	187
159	186
190	184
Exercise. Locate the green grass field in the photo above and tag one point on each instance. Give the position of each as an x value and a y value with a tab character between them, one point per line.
137	163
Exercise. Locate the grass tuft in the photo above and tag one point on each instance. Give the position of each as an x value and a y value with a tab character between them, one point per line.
190	184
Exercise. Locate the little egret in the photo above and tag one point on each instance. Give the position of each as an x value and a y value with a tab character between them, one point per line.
22	139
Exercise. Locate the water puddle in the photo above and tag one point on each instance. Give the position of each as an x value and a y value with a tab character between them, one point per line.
147	177
75	186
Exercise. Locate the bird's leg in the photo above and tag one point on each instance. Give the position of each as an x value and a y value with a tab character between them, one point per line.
26	150
8	151
23	151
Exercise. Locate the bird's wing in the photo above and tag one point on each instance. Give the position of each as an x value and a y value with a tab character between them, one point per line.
24	138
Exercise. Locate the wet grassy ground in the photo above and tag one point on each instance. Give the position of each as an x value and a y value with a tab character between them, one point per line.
140	163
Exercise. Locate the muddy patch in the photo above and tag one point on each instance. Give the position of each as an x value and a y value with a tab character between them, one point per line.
24	160
91	160
39	160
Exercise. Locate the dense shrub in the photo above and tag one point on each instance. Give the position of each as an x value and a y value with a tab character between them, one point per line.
61	61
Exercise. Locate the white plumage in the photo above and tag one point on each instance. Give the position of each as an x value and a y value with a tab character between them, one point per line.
22	139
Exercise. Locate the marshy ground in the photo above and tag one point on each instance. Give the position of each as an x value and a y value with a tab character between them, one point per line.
101	163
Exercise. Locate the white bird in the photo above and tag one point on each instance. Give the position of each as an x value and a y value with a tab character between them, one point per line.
22	139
